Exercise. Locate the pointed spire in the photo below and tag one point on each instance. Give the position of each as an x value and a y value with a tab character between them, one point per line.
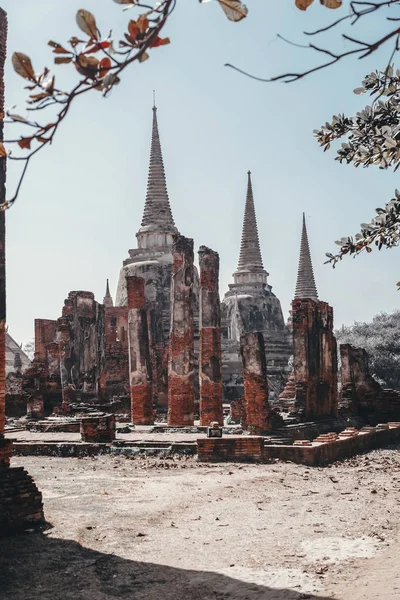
157	211
250	253
107	300
305	286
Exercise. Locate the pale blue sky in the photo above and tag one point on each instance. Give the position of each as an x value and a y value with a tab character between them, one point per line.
83	198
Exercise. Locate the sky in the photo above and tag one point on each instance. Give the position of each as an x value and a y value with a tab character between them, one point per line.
82	201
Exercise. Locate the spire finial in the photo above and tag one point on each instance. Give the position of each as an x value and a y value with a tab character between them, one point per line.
157	210
250	253
154	100
107	300
305	286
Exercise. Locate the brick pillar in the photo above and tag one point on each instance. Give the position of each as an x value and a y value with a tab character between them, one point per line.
257	409
315	358
140	376
181	341
210	358
3	160
64	345
158	357
20	501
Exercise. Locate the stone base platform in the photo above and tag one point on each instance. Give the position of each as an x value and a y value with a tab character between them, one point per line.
331	448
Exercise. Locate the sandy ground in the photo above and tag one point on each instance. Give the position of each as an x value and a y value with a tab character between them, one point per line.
149	529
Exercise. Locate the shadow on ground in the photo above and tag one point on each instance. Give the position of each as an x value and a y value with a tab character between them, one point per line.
34	566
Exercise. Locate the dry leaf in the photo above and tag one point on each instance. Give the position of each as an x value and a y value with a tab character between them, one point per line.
143	57
23	66
3	151
159	42
25	143
104	66
142	23
235	10
57	48
331	3
133	29
74	41
303	4
87	23
60	60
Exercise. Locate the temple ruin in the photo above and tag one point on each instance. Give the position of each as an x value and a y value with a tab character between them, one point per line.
168	355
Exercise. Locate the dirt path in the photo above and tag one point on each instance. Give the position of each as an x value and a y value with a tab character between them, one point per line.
146	528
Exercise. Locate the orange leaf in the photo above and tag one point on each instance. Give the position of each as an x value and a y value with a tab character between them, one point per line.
104	66
133	29
25	143
3	151
98	46
142	23
303	4
159	42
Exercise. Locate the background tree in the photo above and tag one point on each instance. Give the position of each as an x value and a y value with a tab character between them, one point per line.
381	339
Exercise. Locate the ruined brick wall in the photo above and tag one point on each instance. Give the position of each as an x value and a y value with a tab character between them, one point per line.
181	340
41	381
360	391
81	333
3	51
315	358
210	356
114	379
15	399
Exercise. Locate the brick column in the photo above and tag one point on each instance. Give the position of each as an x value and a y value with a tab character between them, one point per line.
210	339
181	341
257	409
20	501
315	358
140	375
64	346
3	50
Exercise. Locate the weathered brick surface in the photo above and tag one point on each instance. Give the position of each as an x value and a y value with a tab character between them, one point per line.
35	407
80	333
250	449
98	429
257	409
114	378
230	449
140	373
5	452
210	357
181	341
360	391
20	501
3	163
315	358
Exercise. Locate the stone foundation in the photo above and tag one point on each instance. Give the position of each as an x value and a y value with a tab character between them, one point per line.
315	453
